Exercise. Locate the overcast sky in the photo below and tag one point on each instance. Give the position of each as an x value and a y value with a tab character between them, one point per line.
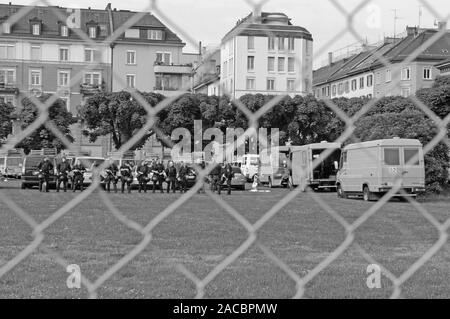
209	20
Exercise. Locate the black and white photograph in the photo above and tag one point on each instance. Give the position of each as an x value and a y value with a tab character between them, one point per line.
242	151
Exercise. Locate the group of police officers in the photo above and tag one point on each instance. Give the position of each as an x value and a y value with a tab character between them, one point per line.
147	171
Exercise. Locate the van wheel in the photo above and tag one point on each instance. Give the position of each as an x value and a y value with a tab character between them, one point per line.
368	196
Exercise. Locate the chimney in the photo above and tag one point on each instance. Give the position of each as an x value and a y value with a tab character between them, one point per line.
108	7
330	58
442	25
200	48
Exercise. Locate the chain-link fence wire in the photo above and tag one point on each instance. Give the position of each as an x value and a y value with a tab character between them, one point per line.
252	229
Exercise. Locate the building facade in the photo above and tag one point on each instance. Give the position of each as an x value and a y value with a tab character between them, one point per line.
264	53
444	67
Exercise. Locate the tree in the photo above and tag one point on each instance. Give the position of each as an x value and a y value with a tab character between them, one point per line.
6	110
437	98
118	114
43	137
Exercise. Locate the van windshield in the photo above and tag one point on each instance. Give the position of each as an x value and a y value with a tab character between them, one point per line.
254	161
13	161
33	162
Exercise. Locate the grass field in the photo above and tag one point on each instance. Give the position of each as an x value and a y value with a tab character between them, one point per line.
200	235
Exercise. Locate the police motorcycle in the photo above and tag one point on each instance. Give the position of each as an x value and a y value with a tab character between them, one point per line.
77	178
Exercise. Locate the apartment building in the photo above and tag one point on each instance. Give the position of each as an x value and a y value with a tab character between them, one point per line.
265	53
206	73
366	74
443	67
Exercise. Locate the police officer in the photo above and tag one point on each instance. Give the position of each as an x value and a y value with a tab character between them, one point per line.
45	170
126	176
171	173
216	177
63	169
78	176
142	176
228	174
158	175
111	175
182	177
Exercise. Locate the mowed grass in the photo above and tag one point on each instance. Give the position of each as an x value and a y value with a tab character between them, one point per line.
200	235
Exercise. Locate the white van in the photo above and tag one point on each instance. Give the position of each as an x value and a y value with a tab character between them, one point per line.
250	166
371	169
323	176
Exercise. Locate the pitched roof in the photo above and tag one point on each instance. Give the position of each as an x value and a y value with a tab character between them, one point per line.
323	74
443	63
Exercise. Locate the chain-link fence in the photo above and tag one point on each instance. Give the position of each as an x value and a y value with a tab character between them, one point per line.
252	229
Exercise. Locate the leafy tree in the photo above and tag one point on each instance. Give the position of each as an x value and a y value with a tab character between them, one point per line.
437	98
118	114
43	137
6	110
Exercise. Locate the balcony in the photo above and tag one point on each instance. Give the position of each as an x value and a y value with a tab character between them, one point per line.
9	88
162	68
91	89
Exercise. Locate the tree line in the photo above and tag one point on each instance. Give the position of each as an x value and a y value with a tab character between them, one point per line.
300	120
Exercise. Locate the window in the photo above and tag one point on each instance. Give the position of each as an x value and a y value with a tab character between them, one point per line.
250	83
388	76
7	51
92	32
64	31
281	63
369	80
361	83
343	160
291	65
340	88
7	76
132	33
36	29
271	64
280	44
131	57
308	47
406	92
291	44
251	42
92	78
250	63
378	78
354	85
89	55
63	54
290	85
270	84
230	66
406	74
6	27
154	34
166	57
35	77
347	87
411	154
392	156
131	80
427	73
334	90
271	45
63	78
35	52
225	68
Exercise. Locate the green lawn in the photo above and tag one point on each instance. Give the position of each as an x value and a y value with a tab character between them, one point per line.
200	235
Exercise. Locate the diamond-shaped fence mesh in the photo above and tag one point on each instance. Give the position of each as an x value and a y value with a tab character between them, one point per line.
252	229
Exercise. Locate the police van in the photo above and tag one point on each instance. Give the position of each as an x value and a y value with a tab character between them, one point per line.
371	169
11	163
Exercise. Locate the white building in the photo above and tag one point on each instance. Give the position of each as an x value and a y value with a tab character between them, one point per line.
266	54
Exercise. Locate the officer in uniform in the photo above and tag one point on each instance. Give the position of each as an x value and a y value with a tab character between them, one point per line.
142	176
78	176
45	170
228	174
111	176
158	175
171	173
216	177
63	169
182	177
126	175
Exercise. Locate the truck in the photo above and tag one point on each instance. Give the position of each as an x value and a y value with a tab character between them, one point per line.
310	167
371	169
11	163
272	173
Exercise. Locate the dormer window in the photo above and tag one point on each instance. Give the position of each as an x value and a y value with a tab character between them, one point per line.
36	29
6	27
92	32
64	31
154	34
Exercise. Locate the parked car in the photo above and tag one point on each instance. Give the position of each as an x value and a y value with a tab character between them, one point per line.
30	171
371	169
238	181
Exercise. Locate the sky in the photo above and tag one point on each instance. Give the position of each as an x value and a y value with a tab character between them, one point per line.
209	20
